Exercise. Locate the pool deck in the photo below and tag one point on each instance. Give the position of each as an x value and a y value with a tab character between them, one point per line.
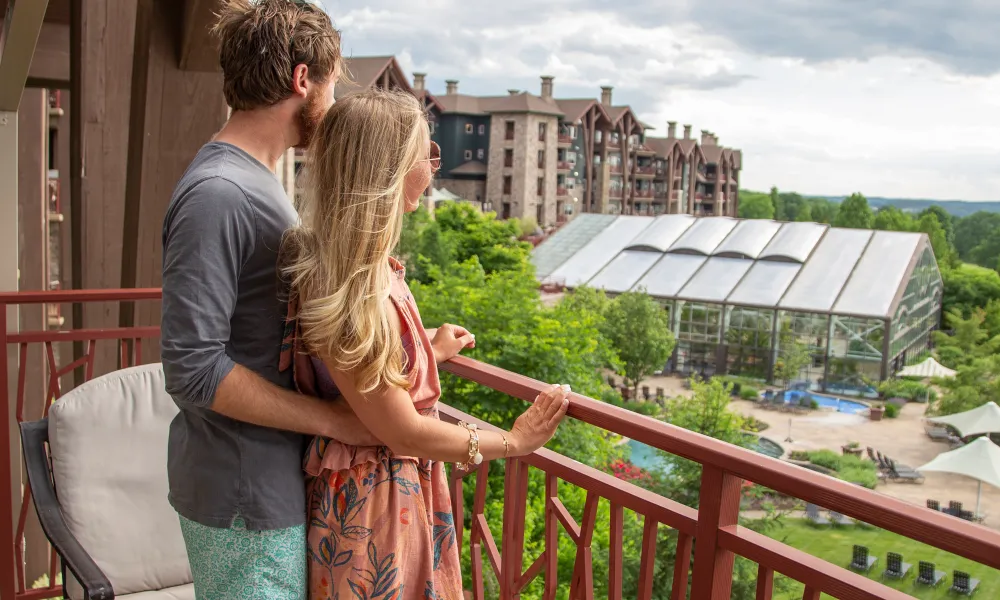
902	439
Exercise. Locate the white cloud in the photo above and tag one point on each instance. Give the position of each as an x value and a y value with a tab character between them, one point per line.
812	110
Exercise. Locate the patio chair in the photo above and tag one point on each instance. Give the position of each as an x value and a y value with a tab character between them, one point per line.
861	559
927	574
813	516
967	515
110	521
934	505
962	583
895	568
840	520
899	472
954	508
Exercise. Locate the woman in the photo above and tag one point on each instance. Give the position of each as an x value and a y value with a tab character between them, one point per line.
380	519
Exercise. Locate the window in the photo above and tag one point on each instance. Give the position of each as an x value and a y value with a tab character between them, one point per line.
540	214
509	130
541	159
506	184
482	130
541	132
541	186
468	128
480	154
468	155
508	157
506	210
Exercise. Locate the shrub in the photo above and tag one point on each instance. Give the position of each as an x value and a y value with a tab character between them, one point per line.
826	458
891	410
755	425
798	455
749	393
914	391
865	477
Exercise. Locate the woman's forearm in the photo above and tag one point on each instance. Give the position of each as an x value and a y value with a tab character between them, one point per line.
436	440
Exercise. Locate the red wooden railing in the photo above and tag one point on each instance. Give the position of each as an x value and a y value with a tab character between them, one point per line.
714	525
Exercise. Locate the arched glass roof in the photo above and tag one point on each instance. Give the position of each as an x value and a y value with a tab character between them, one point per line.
801	267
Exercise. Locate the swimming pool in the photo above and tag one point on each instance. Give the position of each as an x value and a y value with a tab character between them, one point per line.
838	404
645	457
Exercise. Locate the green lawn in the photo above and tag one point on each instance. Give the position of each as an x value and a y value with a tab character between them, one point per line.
835	544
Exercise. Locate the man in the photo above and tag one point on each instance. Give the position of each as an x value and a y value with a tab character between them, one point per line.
235	449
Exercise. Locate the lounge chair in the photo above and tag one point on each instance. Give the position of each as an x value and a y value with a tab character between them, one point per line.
861	559
898	472
934	505
927	574
962	583
895	568
813	516
938	434
840	520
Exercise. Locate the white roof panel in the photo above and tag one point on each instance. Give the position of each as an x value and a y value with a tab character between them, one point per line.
794	241
669	275
879	274
765	283
566	242
748	239
591	258
627	268
704	236
663	232
819	282
716	280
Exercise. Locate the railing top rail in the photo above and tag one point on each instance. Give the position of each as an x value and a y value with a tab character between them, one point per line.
70	296
934	528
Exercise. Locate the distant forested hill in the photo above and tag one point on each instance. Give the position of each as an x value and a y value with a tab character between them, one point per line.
958	208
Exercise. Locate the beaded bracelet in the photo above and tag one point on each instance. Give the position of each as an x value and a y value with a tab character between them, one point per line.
475	458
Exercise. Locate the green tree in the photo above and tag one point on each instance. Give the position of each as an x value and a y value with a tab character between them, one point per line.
970	338
944	218
890	218
754	205
855	213
967	287
639	330
778	204
793	205
823	210
793	356
972	230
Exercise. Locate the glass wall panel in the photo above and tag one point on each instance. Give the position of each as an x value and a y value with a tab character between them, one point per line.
855	355
802	339
699	329
748	342
917	314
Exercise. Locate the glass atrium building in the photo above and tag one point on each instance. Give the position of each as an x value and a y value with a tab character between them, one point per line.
744	294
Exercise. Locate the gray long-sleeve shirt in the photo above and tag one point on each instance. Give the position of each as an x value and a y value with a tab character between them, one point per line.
221	306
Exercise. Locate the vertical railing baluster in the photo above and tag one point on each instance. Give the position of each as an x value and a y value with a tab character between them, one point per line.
513	549
457	488
583	570
682	566
8	562
765	583
475	535
507	576
810	593
615	549
718	507
647	559
551	537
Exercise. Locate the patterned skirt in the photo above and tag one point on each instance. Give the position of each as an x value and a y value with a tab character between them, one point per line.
383	530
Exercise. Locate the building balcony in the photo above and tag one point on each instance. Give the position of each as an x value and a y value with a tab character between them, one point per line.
704	541
614	143
616	169
642	150
646	172
562	192
565	139
616	193
564	166
642	194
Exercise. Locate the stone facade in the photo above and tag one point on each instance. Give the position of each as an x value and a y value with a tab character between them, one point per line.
523	199
473	190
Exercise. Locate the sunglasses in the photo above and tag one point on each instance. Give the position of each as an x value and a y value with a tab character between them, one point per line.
434	158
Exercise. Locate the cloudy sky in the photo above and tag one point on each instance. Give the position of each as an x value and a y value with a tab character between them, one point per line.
895	98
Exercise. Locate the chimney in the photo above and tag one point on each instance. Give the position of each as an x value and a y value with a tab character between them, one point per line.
687	132
606	95
671	129
547	87
418	81
452	86
706	137
513	92
715	139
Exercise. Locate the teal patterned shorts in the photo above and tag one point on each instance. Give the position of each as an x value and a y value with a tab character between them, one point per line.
240	564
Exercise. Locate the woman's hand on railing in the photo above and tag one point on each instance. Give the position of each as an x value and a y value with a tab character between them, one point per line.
448	340
537	425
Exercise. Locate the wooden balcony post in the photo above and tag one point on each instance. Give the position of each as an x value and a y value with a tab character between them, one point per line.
719	506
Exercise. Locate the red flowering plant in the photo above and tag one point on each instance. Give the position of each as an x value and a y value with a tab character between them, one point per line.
626	471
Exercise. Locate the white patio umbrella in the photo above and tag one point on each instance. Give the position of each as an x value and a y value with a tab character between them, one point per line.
979	460
985	419
927	369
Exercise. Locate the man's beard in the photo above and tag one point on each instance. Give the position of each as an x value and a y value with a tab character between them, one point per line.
310	116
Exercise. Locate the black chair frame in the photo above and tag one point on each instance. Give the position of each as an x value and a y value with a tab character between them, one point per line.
34	437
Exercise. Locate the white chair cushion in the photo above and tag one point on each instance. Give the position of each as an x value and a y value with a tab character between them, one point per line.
181	592
108	442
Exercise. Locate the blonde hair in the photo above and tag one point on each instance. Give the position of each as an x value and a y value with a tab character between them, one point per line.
351	217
